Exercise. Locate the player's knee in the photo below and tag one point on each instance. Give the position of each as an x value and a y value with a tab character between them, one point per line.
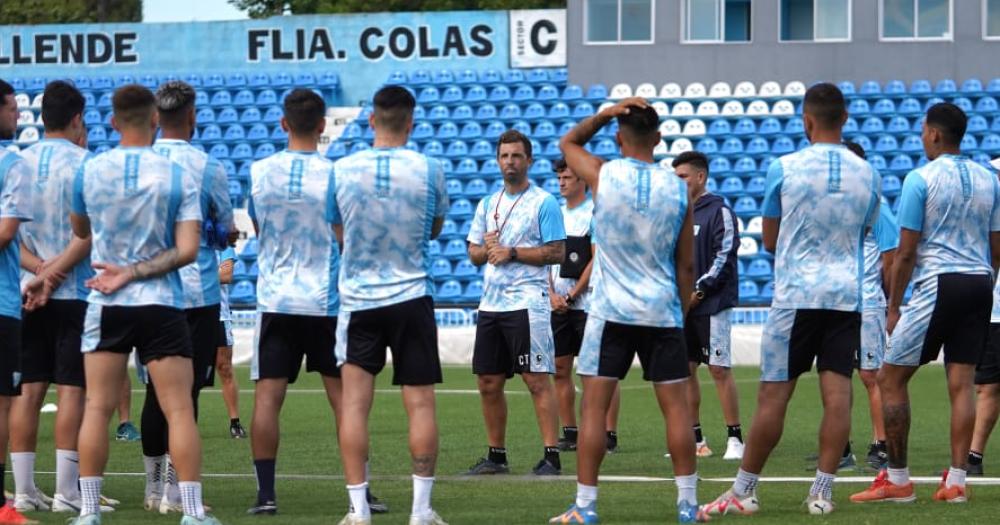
719	373
225	370
869	378
537	383
489	385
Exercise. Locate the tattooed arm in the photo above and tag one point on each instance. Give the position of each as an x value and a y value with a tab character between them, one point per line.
113	277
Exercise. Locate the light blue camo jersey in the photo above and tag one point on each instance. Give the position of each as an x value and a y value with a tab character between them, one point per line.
527	220
387	200
15	203
292	204
54	163
881	238
200	279
955	204
826	197
639	211
578	222
134	197
225	312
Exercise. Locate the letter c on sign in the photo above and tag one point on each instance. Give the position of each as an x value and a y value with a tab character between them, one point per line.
547	47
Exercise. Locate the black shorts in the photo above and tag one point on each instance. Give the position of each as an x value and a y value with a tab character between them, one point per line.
511	343
567	331
51	343
794	338
609	349
203	325
225	334
988	371
708	339
284	339
408	328
154	331
10	356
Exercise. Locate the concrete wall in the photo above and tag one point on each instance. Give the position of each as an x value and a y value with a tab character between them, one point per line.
864	58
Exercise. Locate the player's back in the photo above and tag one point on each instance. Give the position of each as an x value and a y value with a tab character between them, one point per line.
638	214
825	197
54	163
291	200
133	197
957	199
387	200
200	279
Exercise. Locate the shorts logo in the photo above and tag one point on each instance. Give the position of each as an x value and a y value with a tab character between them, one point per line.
718	353
871	356
573	257
538	358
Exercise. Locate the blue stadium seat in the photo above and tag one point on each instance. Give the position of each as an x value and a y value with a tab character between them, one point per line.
473	291
544	130
756	186
460	209
328	80
82	83
993	87
732	146
794	127
219	151
499	94
895	88
582	110
266	97
258	133
120	80
205	116
494	129
242	151
901	163
465	270
352	131
858	106
782	145
465	167
264	150
96	135
281	80
767	292
759	268
972	86
599	92
891	185
719	127
990	143
547	93
221	98
481	149
442	76
336	150
433	148
512	112
846	87
987	105
490	168
486	112
873	125
850	125
712	187
746	207
397	78
104	101
213	80
748	291
719	165
234	133
559	110
449	230
969	143
475	93
441	269
920	87
438	113
870	88
878	162
745	126
455	249
963	103
421	131
452	94
243	293
447	131
995	125
572	93
706	145
475	188
945	87
258	80
149	82
105	82
551	185
428	95
769	126
490	76
731	186
912	144
211	133
462	113
522	127
982	159
884	106
909	106
757	146
537	76
114	137
200	98
541	167
447	167
523	93
91	117
977	124
513	76
466	76
745	165
236	80
898	124
471	130
886	143
606	148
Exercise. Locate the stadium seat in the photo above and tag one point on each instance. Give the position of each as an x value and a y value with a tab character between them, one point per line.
767	292
757	146
680	146
972	86
671	90
963	103
582	110
990	143
243	293
891	185
221	98
242	151
945	87
707	146
227	116
446	131
870	88
103	102
756	186
759	269
460	209
898	124
745	126
901	163
95	135
707	108
452	94
794	127
597	92
912	144
533	111
858	107
499	94
758	108
884	106
794	89
523	93
745	90
748	291
471	130
909	106
987	105
234	133
606	148
782	145
428	95
670	128
769	126
746	207
731	186
969	143
694	128
620	91
993	87
769	89
720	90
547	93
438	113
920	87
695	90
873	125
463	112
719	128
878	162
473	291
718	165
894	88
748	247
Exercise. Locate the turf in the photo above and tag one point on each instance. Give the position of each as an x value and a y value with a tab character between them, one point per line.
317	495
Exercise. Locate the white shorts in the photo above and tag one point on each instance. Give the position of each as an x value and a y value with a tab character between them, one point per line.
873	339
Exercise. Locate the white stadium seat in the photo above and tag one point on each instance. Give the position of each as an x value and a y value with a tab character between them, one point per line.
733	107
695	90
22	100
39	121
707	108
741	224
646	90
667	162
745	90
769	89
756	225
620	91
783	108
683	109
28	136
671	90
758	108
748	246
795	89
661	149
694	128
661	107
720	90
670	128
680	146
25	117
37	102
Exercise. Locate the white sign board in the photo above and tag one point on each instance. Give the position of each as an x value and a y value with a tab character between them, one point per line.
538	38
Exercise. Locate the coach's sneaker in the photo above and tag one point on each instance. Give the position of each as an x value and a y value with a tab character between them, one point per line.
266	508
953	494
546	468
428	519
485	466
877	457
688	513
207	520
576	514
31	502
352	519
611	440
127	432
236	430
818	505
730	503
847	462
884	490
89	519
63	504
10	516
702	450
734	449
375	505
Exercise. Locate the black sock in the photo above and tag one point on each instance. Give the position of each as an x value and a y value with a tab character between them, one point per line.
570	433
880	445
975	458
552	456
234	421
735	431
612	439
498	455
847	450
698	437
264	469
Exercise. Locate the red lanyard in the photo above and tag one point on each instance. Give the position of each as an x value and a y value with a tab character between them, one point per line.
496	211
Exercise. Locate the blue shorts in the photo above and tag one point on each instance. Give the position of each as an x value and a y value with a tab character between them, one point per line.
873	339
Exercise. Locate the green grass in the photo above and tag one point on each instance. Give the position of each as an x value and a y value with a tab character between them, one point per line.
309	447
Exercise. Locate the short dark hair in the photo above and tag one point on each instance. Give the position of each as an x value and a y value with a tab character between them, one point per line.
304	110
5	89
393	107
695	158
174	99
133	105
825	102
511	136
855	148
639	122
948	119
60	103
559	165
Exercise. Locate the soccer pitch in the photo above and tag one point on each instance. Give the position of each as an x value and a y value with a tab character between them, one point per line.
310	490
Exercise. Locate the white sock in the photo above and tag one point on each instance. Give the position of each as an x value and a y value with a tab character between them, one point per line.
687	488
68	474
90	489
956	477
359	500
23	465
191	499
171	491
898	476
154	475
823	485
585	495
746	483
422	488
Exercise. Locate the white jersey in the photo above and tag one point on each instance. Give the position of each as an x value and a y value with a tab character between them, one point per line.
578	222
15	203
